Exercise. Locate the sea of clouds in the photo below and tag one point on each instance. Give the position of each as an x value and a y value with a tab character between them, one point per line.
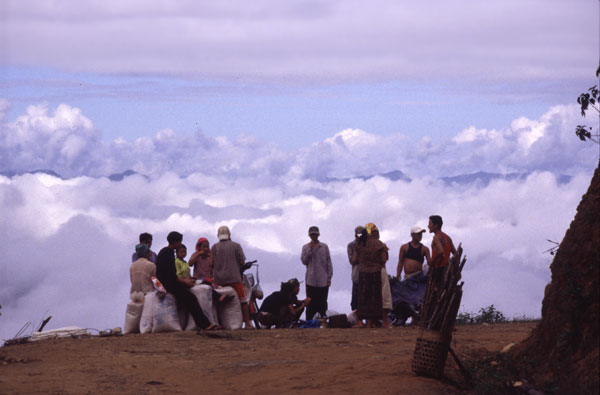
68	232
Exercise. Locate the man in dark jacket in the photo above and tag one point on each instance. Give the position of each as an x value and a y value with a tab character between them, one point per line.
167	275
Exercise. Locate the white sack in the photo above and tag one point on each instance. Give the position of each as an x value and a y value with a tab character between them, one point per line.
150	301
203	293
67	331
165	317
133	315
230	312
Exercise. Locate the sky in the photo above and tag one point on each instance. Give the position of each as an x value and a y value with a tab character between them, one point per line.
276	116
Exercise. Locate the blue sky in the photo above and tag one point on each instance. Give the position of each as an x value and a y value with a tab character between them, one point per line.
260	115
290	116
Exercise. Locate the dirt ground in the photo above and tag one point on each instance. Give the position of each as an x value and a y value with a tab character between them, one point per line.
262	361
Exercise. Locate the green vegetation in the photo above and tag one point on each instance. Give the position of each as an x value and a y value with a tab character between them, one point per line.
587	100
489	315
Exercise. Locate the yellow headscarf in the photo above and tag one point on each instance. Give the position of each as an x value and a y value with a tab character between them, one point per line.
370	227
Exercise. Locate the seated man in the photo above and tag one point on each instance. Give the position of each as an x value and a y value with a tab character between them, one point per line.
166	273
142	270
282	308
145	238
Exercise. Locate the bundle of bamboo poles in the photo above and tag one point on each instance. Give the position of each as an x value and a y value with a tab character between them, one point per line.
442	300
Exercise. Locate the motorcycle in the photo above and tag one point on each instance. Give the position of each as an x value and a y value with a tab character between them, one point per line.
253	290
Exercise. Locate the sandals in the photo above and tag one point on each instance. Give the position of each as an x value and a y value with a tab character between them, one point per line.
214	327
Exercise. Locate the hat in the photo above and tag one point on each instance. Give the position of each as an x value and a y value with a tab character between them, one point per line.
415	230
370	227
223	233
358	230
142	250
313	230
200	241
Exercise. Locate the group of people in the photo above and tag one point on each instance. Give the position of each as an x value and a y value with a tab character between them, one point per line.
220	266
371	295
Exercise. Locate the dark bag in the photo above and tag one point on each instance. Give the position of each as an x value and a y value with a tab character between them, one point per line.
338	321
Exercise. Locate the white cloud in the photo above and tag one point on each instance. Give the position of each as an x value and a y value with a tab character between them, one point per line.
470	134
351	138
499	41
68	241
66	142
527	145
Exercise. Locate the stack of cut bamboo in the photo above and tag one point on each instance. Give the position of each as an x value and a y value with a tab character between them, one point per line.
442	300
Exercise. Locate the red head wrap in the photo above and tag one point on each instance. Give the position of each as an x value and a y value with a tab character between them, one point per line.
200	241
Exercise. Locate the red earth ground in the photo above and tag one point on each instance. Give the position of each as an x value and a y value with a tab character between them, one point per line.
262	361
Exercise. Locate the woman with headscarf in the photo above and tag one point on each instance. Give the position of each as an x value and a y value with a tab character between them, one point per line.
200	261
203	270
371	255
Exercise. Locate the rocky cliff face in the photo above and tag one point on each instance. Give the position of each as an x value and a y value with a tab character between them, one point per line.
562	353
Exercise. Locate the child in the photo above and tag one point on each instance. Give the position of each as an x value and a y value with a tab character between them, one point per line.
182	268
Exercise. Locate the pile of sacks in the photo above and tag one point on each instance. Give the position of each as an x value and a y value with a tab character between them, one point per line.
157	312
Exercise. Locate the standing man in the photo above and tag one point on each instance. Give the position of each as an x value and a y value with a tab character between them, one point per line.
441	247
315	256
227	258
145	238
167	275
412	255
357	232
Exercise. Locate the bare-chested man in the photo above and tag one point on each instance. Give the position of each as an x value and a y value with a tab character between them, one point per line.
441	247
413	254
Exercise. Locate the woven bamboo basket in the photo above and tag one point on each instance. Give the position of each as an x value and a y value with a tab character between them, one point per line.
431	351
